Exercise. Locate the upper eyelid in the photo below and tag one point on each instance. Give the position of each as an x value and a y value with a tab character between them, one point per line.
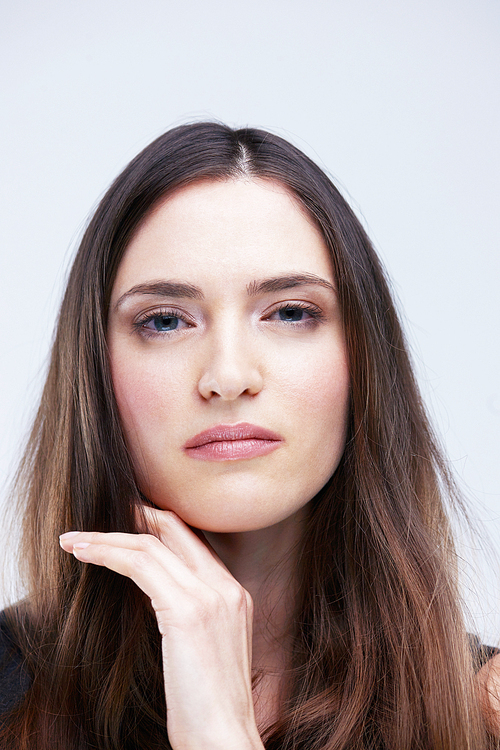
294	303
161	310
299	304
175	307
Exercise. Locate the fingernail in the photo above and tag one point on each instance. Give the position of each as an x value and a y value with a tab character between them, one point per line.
68	534
81	545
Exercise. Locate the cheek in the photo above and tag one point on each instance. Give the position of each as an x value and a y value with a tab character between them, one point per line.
318	384
147	394
136	396
306	396
318	393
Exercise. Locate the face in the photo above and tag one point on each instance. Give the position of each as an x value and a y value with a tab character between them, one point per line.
228	356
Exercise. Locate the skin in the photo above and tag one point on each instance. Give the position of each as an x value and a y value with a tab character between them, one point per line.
238	351
488	684
233	359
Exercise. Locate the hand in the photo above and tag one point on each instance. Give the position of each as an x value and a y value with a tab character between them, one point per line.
205	620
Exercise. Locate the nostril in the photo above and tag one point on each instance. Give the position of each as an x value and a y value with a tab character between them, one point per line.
230	388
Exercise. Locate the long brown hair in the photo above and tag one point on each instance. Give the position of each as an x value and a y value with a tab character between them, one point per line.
380	657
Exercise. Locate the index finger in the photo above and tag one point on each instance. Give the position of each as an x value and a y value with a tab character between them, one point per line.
186	542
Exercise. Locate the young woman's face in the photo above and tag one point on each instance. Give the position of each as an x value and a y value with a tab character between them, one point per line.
228	356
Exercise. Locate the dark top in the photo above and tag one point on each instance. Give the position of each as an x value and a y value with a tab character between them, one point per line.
15	680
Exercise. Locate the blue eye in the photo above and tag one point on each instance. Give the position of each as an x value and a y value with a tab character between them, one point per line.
291	314
165	322
298	313
160	322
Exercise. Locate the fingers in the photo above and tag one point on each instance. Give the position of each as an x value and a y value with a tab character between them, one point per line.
172	585
193	548
133	549
204	617
189	545
143	558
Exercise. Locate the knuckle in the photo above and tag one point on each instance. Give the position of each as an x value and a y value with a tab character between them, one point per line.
99	554
140	560
166	521
212	602
236	595
147	543
169	515
169	523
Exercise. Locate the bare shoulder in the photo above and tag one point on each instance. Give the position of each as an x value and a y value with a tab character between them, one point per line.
488	680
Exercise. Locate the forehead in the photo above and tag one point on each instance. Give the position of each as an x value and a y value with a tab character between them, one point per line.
227	230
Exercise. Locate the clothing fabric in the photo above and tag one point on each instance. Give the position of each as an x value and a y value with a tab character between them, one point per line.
15	680
481	654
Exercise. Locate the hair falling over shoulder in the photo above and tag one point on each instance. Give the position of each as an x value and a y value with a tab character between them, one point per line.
380	657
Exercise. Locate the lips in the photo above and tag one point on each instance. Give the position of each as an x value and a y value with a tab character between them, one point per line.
230	442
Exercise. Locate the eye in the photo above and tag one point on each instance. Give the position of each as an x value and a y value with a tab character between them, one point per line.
160	322
297	313
291	314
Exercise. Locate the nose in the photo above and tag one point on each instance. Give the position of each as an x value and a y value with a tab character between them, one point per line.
231	370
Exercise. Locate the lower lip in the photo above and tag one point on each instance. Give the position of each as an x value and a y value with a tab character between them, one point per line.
233	450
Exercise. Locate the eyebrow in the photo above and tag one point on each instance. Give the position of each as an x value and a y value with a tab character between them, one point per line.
178	289
163	289
279	283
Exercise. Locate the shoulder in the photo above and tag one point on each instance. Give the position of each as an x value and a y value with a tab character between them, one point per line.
14	679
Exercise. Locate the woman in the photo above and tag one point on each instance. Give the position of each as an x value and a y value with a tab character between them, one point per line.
229	379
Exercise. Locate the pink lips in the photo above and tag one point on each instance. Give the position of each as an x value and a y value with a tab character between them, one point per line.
232	442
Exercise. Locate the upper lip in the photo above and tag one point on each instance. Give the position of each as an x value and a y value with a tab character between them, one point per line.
225	432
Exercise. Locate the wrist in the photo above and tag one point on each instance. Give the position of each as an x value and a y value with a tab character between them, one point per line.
220	738
250	741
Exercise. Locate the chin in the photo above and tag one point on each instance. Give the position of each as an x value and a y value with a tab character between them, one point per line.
230	517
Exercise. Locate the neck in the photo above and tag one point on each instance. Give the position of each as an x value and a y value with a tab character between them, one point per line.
264	563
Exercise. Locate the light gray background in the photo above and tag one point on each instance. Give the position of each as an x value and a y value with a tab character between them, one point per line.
398	100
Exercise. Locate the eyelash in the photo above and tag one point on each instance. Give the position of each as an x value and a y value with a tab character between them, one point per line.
140	324
316	314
